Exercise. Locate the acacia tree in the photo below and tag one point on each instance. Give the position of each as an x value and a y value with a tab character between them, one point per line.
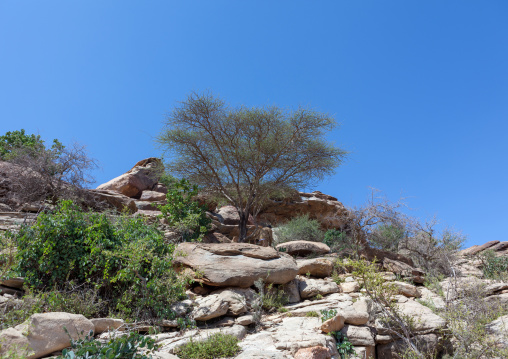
245	155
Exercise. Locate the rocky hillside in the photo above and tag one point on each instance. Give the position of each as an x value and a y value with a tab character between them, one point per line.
296	300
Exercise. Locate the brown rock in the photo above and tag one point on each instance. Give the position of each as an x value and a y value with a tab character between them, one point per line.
152	196
234	264
216	237
115	199
501	246
316	267
334	324
302	248
481	248
313	353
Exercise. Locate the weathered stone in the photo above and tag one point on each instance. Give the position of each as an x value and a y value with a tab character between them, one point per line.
115	199
406	289
245	320
292	291
311	287
316	267
431	298
313	353
424	319
355	317
349	287
102	325
497	299
364	352
303	248
493	288
238	299
361	336
152	196
428	344
210	307
499	329
235	264
334	324
13	282
13	340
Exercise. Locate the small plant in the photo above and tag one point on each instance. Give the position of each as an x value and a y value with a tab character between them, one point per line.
273	298
494	267
312	313
344	346
217	345
121	347
300	229
318	297
328	314
337	240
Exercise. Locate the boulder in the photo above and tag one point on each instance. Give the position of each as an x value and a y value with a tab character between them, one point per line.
425	320
333	324
238	299
209	307
482	247
303	248
245	319
152	196
361	336
427	343
499	330
13	282
292	291
102	325
45	332
313	353
14	341
364	352
234	264
354	317
406	289
309	287
228	215
316	267
141	177
349	287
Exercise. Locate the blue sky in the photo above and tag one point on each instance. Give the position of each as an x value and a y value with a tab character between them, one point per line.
420	87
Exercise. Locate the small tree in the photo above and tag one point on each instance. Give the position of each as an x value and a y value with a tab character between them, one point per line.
246	154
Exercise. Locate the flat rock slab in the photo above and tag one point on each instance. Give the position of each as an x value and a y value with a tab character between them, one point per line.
303	248
234	264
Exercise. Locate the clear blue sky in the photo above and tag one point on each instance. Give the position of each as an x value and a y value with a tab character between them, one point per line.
420	87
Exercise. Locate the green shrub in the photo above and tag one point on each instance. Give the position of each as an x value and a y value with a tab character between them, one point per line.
387	237
300	229
337	240
216	346
184	213
121	347
274	298
344	346
126	256
328	314
494	267
312	314
12	141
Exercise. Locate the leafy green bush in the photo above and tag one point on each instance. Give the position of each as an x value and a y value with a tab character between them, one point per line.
218	345
494	267
300	229
337	240
125	256
328	314
344	346
15	140
121	347
182	212
274	298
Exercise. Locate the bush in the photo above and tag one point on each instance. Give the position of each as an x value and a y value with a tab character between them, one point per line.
15	140
493	266
387	237
337	240
122	347
182	212
126	256
300	229
216	346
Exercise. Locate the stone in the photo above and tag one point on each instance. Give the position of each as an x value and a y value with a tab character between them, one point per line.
141	177
234	264
497	299
102	325
499	329
210	307
245	320
152	196
303	248
491	289
482	247
13	282
406	289
427	343
11	291
355	317
361	336
424	319
313	353
216	237
334	324
228	215
364	352
316	267
146	206
349	287
292	291
309	287
501	246
431	298
45	331
238	299
115	199
13	340
260	346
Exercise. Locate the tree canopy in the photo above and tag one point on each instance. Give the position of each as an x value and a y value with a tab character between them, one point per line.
247	154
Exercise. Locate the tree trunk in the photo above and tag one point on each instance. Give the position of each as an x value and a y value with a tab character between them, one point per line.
243	227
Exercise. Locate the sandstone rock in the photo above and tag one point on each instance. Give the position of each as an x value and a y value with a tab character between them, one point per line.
406	289
260	346
316	267
134	181
235	264
430	297
11	291
245	320
45	332
334	324
501	246
14	340
361	336
349	287
292	291
238	299
355	317
482	247
115	199
364	352
210	307
13	282
311	287
102	325
491	289
152	196
313	353
216	237
302	248
229	215
424	319
499	329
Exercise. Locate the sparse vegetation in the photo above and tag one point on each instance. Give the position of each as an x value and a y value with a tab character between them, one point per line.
300	228
493	266
218	345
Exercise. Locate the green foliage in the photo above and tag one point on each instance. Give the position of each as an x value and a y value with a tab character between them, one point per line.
344	346
15	140
182	212
493	266
328	314
387	237
300	229
122	347
337	240
274	298
218	345
127	257
312	314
